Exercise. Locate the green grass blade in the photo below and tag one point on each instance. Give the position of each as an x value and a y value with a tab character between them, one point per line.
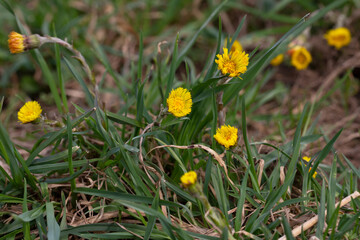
123	120
32	214
332	190
324	152
59	73
170	80
287	228
89	96
152	219
53	226
141	47
48	76
26	225
193	39
321	212
70	140
250	158
241	201
56	136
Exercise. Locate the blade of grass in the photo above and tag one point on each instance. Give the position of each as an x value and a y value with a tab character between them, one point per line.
321	212
253	175
239	217
53	226
88	95
59	73
324	152
193	39
173	67
70	140
332	190
141	46
152	219
56	136
26	225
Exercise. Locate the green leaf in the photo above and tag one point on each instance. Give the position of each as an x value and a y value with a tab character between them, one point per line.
53	226
89	96
31	215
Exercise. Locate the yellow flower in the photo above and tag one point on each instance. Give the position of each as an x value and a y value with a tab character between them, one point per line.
300	57
236	46
188	179
226	136
29	112
276	61
307	159
179	102
19	43
234	64
338	37
16	42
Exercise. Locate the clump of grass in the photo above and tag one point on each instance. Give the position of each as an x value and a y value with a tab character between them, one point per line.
97	174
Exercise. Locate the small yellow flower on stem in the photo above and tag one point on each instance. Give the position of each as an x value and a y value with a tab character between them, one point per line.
338	37
179	102
235	46
232	64
188	179
276	61
16	42
307	159
30	112
300	57
226	136
19	43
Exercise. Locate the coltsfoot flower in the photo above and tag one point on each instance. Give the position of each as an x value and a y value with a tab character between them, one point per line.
232	64
16	42
307	159
19	43
179	102
236	46
338	37
226	136
300	57
276	61
188	179
30	112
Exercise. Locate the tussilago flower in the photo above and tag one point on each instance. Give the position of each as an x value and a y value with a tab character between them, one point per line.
233	64
16	42
276	61
29	112
188	179
338	37
236	46
179	102
19	43
226	136
300	57
307	159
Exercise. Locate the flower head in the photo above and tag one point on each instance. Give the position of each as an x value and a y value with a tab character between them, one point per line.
226	136
19	43
16	42
276	61
179	102
300	57
234	64
307	159
188	179
235	46
338	37
29	112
